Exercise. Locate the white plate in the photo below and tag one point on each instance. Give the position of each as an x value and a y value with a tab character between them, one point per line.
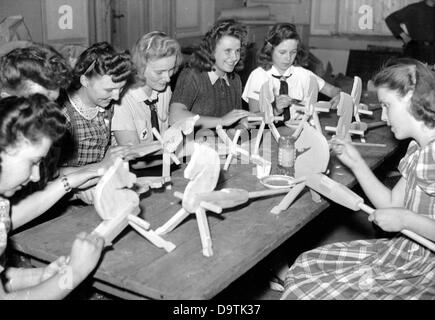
278	181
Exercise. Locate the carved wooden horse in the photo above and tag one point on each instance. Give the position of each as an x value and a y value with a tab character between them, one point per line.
263	166
267	118
312	157
203	172
118	206
170	141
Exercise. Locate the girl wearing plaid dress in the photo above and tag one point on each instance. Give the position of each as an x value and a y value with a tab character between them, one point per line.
28	128
99	77
396	268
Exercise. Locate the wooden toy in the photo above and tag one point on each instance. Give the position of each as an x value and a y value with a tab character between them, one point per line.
203	172
170	141
312	156
267	117
116	204
345	113
342	195
263	166
309	109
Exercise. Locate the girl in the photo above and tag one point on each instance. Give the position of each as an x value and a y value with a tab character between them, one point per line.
156	57
209	86
99	76
396	268
28	127
280	58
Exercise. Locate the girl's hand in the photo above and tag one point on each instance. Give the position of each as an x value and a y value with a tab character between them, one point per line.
390	219
113	153
53	268
346	153
87	195
84	177
334	101
233	116
85	253
283	101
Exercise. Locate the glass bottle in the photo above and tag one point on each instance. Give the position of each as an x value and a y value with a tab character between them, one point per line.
286	155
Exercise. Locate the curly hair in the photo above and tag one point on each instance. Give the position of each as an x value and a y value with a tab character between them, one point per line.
30	117
38	63
406	74
203	58
277	34
102	59
153	46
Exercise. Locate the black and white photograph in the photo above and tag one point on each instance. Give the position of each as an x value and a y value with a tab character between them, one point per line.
223	156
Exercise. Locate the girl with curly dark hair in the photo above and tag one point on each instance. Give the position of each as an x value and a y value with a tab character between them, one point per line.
38	68
28	127
210	86
99	78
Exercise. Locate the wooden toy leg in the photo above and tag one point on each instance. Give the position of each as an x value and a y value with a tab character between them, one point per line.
166	168
204	232
289	198
258	138
109	229
233	152
172	223
315	196
275	132
152	237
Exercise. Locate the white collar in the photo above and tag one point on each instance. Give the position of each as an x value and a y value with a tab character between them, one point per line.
85	111
139	94
287	73
214	77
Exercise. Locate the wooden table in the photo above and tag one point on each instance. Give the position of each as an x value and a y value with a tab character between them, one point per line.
243	236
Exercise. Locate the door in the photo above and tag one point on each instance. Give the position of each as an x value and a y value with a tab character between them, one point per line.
324	16
129	21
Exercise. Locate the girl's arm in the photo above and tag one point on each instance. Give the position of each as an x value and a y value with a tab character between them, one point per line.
398	219
126	137
375	190
254	105
330	90
178	111
85	253
38	202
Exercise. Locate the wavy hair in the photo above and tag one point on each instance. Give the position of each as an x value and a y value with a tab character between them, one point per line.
38	63
277	34
203	58
152	46
406	74
32	117
102	59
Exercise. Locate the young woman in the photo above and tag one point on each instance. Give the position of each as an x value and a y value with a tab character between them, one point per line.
99	77
28	127
210	86
156	57
280	58
396	268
